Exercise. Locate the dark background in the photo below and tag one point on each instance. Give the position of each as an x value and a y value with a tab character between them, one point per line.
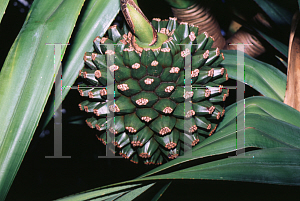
46	179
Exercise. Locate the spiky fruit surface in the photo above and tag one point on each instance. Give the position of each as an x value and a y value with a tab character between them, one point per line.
149	120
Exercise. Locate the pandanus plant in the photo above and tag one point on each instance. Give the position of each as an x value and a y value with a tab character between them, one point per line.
271	129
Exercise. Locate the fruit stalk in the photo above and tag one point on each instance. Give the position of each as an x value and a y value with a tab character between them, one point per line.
138	22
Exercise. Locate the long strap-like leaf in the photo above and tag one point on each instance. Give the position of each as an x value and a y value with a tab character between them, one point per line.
96	193
3	6
274	166
270	125
263	77
279	13
27	78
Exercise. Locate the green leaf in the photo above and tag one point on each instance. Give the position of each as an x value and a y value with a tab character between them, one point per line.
282	48
282	61
263	77
269	124
261	131
27	77
160	192
181	3
134	193
274	166
109	197
3	4
106	193
276	11
97	193
263	106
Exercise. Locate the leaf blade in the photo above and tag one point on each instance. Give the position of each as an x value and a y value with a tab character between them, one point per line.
263	77
134	193
280	15
161	191
277	134
3	4
274	166
281	47
96	193
27	78
271	107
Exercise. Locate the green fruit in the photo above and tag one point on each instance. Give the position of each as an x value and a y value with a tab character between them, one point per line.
149	92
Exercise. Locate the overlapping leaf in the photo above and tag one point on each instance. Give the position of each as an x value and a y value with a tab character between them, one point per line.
276	11
279	165
269	124
263	77
278	45
161	191
281	14
97	193
124	193
134	193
